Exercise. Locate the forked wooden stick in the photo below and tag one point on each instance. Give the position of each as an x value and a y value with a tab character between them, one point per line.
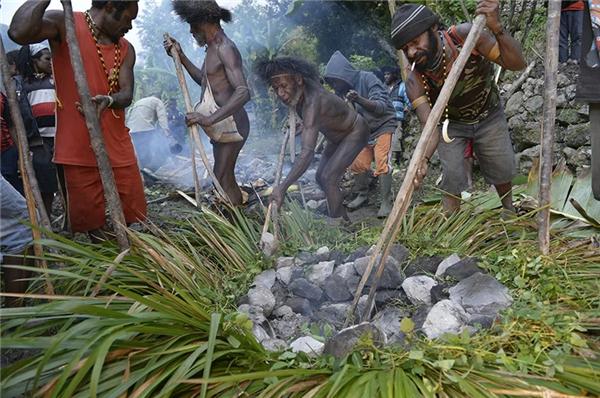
194	129
33	195
404	196
271	210
113	201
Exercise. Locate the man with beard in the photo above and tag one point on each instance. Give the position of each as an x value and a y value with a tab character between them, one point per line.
296	83
221	75
474	111
367	94
109	60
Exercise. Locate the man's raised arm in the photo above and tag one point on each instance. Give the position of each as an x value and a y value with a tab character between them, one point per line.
32	23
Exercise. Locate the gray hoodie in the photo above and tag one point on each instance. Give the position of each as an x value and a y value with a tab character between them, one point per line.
367	85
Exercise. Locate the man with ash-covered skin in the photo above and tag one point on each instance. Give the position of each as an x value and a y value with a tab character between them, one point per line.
296	83
474	111
223	70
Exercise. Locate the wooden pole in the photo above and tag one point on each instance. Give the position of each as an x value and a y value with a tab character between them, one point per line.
31	188
194	128
547	139
404	196
113	201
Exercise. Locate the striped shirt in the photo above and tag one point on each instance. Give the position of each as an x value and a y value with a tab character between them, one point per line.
399	100
42	98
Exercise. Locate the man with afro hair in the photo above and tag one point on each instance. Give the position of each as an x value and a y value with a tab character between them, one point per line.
296	84
223	72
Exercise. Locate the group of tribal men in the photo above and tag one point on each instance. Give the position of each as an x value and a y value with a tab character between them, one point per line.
357	119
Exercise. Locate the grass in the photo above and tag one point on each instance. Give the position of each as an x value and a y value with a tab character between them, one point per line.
163	325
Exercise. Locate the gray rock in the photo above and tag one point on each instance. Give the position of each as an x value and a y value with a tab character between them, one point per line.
345	342
482	321
388	321
352	283
418	288
419	316
255	313
323	253
337	256
562	80
481	294
280	292
534	104
274	345
383	297
462	269
285	262
568	116
303	288
317	273
263	298
304	258
391	277
577	135
570	91
399	253
282	311
265	279
300	305
268	244
562	101
284	274
360	252
289	327
360	307
423	265
334	314
307	345
336	289
448	261
439	293
345	270
514	103
578	158
444	317
526	135
259	333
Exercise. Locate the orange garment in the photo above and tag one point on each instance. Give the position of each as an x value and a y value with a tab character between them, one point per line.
85	196
380	152
72	137
574	6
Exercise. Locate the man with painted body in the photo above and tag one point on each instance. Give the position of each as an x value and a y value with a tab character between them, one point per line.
474	111
109	61
296	83
368	95
223	70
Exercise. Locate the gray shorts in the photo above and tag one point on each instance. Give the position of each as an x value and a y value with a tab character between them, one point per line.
14	236
491	145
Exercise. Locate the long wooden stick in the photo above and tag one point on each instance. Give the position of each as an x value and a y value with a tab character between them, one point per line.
31	188
278	171
194	128
547	139
404	196
113	201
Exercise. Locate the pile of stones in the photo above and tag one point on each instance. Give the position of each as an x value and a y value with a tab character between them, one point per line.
302	303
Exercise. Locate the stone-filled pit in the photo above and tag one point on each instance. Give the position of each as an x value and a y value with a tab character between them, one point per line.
302	303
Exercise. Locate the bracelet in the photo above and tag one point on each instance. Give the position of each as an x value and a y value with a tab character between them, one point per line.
419	101
111	101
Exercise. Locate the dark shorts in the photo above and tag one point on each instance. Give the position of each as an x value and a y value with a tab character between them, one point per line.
45	170
492	146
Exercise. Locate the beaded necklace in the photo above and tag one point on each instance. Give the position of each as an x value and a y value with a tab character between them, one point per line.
113	74
427	90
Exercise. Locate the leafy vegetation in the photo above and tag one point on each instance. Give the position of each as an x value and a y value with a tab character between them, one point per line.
154	330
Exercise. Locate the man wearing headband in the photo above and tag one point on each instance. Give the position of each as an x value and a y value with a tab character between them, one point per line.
296	83
222	74
109	61
367	94
474	111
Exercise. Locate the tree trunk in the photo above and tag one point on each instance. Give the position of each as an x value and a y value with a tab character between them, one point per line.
547	139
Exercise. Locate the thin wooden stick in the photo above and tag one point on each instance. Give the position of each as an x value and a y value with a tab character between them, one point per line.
547	139
194	128
111	194
31	188
403	198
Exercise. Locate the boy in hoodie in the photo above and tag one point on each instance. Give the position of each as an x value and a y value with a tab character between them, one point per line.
367	94
296	83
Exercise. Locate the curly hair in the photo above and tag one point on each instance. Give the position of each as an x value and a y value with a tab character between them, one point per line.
201	11
266	69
